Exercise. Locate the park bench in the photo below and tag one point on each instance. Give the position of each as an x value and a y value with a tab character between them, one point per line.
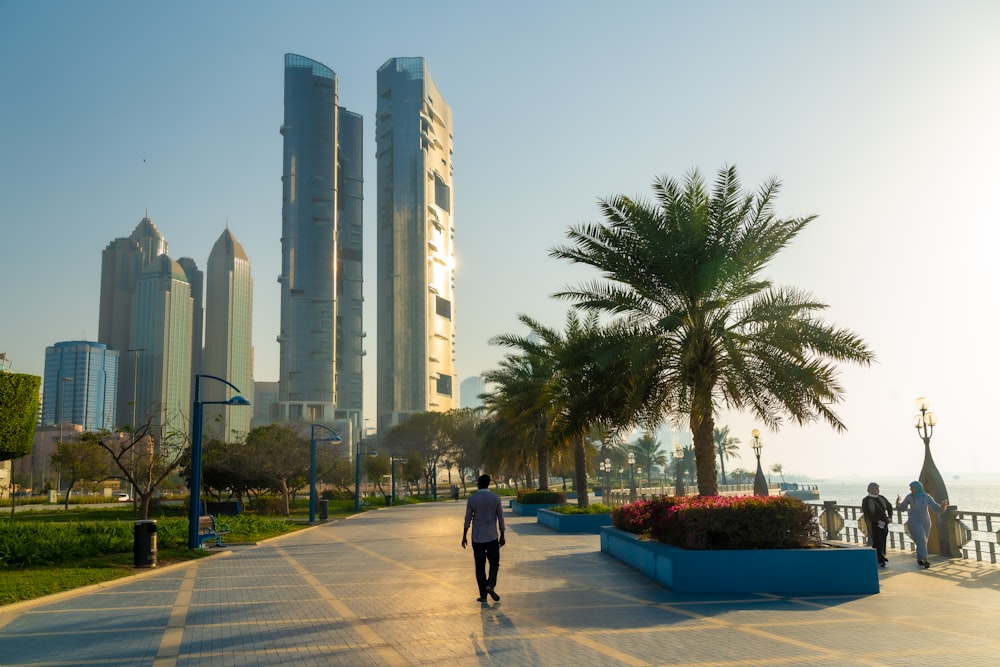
209	529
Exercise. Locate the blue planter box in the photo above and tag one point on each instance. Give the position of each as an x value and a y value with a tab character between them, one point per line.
573	523
526	509
835	570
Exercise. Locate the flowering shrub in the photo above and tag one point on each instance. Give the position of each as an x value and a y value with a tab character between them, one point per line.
716	522
640	516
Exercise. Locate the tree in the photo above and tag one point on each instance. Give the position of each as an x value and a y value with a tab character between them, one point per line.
779	469
281	454
710	330
521	391
424	434
142	461
726	448
376	467
648	453
79	460
462	428
18	413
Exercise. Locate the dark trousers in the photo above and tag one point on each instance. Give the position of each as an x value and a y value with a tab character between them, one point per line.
486	551
878	538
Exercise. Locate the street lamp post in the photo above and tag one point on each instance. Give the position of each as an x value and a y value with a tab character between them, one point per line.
679	480
759	481
631	476
62	419
135	382
393	460
197	414
638	472
607	479
937	540
334	438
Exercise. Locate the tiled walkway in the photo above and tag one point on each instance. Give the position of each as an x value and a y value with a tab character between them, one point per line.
394	587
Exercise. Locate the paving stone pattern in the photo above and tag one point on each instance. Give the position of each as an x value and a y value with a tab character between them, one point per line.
394	587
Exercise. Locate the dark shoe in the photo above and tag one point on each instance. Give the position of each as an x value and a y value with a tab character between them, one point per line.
481	598
882	563
493	594
927	564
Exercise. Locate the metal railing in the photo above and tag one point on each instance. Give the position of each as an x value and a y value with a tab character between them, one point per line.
975	534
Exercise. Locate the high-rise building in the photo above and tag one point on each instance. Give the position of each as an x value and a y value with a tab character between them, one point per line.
228	352
161	328
196	279
81	385
470	390
121	264
415	239
321	249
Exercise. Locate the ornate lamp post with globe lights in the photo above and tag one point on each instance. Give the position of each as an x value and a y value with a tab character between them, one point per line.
631	477
679	480
759	481
938	541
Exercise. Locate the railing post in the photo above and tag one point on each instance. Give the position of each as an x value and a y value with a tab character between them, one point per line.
832	522
948	532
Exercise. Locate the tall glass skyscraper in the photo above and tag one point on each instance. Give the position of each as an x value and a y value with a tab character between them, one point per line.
416	234
121	264
161	327
81	385
321	248
196	279
228	349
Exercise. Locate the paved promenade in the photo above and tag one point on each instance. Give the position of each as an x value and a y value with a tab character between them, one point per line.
394	587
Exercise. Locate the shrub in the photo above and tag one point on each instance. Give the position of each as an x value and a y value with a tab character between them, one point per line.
533	497
715	522
596	508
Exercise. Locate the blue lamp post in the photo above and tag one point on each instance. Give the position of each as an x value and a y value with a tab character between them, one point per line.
393	460
334	438
197	414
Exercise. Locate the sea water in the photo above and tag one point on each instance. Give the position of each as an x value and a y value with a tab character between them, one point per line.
970	494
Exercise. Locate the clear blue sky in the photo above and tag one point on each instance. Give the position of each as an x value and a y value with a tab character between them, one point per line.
882	118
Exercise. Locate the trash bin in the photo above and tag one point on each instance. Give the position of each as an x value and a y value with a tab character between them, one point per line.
144	545
324	509
454	492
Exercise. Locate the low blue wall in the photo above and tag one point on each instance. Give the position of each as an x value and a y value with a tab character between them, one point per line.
528	509
573	523
835	570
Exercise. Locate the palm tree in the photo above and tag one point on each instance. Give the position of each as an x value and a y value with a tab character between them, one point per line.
520	392
779	469
726	448
648	453
710	330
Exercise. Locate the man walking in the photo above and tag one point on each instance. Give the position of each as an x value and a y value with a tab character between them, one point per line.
484	511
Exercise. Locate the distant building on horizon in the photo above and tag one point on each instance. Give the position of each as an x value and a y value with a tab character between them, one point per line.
228	327
415	245
320	336
122	262
469	392
80	385
265	404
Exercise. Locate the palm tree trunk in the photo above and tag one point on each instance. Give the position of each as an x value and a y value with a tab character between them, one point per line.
580	465
704	453
542	452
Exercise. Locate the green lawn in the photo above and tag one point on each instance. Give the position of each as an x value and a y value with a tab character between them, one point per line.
27	582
